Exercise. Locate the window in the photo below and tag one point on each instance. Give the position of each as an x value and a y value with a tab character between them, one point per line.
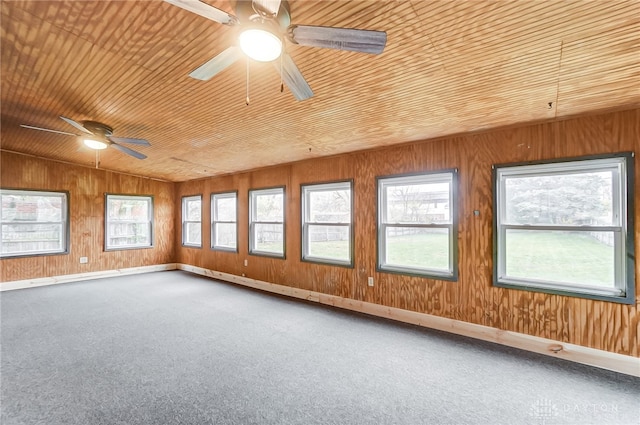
563	227
417	225
266	222
224	226
192	221
327	223
129	222
34	223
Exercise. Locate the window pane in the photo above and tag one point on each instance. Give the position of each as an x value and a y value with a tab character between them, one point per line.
331	242
417	248
225	209
129	234
193	209
193	234
269	238
225	234
561	199
32	208
128	209
418	203
32	238
128	221
269	207
33	222
330	206
585	258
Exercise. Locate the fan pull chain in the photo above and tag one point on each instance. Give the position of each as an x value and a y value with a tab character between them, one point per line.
247	99
281	70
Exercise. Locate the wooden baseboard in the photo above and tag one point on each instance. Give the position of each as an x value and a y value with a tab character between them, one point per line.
590	356
32	283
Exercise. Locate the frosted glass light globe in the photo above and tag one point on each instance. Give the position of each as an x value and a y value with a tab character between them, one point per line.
95	144
260	45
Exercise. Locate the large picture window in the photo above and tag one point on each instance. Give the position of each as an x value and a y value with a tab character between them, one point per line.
417	225
192	221
129	222
266	222
327	223
34	223
564	227
224	222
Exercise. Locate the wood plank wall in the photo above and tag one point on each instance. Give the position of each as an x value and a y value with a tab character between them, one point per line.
602	325
87	187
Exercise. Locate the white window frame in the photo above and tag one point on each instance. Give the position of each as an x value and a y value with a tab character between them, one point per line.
185	222
621	167
215	220
63	222
253	212
444	176
307	190
108	221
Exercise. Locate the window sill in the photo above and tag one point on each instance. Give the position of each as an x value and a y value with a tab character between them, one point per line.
601	294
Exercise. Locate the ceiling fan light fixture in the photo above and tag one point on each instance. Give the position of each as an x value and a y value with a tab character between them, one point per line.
260	44
95	144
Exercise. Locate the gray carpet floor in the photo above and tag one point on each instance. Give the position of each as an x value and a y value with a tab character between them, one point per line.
175	348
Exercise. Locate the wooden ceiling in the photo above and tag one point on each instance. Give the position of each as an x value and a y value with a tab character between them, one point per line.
449	67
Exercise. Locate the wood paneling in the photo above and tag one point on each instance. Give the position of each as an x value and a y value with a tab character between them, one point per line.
607	326
87	187
448	68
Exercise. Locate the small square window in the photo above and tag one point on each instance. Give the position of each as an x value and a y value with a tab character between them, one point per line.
417	225
128	222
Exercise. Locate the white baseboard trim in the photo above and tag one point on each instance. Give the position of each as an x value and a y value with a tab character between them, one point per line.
43	281
590	356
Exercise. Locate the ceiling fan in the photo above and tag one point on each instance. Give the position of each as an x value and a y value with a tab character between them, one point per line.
264	25
98	136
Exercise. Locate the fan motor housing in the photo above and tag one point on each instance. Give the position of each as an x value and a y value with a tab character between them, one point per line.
246	13
98	128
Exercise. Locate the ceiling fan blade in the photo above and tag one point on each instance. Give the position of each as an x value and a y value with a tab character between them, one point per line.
364	41
205	10
293	78
267	7
217	64
128	151
75	124
47	129
142	142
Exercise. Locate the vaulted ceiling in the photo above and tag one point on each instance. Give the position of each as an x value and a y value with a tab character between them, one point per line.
448	67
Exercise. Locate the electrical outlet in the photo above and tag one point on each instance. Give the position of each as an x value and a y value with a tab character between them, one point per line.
84	260
370	281
246	263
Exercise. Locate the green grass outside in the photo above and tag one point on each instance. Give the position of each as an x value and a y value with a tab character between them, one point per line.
338	250
428	250
273	247
559	256
556	256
